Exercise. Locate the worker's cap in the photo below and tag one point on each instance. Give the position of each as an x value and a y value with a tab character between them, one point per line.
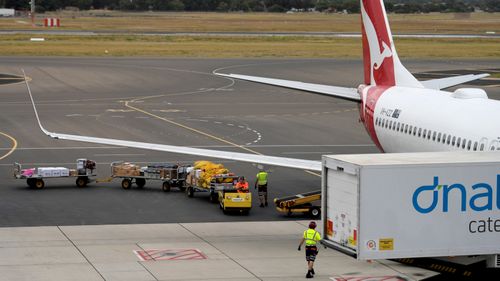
312	225
241	178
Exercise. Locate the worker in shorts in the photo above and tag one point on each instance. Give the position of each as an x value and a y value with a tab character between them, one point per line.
311	237
261	186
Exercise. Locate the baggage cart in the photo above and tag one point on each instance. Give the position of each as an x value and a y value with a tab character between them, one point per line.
171	175
35	177
217	182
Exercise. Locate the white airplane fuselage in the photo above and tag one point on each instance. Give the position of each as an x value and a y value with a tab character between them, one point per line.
400	119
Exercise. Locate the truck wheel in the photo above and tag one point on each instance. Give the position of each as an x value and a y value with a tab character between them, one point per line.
315	212
190	192
140	182
166	186
39	184
126	183
81	182
31	183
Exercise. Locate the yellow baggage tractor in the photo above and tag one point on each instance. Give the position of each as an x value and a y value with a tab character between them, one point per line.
232	200
304	203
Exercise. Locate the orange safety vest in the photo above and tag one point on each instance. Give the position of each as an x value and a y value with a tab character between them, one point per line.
242	187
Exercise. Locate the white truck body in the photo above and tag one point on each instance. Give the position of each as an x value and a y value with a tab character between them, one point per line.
383	206
7	12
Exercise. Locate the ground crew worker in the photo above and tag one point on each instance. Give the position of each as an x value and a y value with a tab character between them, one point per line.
311	237
242	185
261	185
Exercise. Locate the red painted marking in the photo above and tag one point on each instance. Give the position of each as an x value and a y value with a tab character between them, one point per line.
384	75
373	95
170	254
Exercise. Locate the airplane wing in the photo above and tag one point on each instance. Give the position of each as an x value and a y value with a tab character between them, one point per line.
244	157
339	92
442	83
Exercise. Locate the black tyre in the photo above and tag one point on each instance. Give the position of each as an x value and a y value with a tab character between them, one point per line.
315	212
190	191
31	182
39	184
166	186
140	182
182	186
81	182
214	197
126	183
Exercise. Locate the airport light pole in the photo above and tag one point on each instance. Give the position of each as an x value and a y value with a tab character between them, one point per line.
32	3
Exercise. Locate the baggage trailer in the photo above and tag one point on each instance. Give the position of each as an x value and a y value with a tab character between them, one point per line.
439	206
303	203
217	182
171	175
35	176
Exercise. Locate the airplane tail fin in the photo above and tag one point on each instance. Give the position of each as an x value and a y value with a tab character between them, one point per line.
381	63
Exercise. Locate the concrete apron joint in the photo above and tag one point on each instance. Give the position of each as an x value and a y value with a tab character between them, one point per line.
142	265
230	258
81	253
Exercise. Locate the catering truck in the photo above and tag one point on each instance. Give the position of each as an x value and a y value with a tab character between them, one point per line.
413	205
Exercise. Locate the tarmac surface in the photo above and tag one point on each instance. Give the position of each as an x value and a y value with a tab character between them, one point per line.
178	102
97	233
238	251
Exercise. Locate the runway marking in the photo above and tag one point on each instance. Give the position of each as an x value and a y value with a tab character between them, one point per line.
198	146
11	150
74	115
119	110
191	129
119	154
168	110
117	116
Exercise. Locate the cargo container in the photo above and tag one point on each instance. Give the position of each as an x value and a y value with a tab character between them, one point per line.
394	206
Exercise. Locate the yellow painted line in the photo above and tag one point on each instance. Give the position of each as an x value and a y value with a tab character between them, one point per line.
192	129
14	146
201	132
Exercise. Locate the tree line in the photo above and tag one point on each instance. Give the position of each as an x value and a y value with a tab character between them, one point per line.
351	6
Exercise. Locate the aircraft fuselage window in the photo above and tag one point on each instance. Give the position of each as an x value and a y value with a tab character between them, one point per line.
475	146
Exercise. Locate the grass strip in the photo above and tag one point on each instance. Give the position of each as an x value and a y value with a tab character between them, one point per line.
237	47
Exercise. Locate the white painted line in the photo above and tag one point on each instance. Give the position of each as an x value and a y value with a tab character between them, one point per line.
307	152
74	115
118	116
116	154
243	127
217	122
142	117
229	124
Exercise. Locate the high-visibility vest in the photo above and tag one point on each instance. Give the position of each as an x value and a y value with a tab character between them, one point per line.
311	236
262	178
